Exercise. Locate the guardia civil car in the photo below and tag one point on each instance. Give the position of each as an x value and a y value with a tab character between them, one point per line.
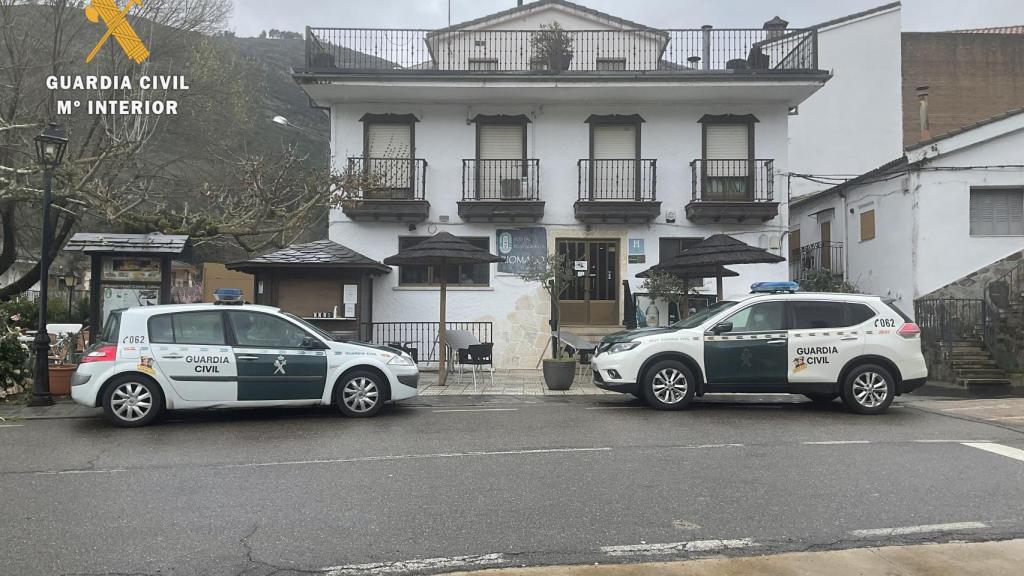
825	346
181	356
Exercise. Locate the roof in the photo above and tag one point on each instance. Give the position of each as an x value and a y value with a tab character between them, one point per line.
804	296
440	249
997	30
319	254
166	308
855	16
90	242
892	165
965	128
531	6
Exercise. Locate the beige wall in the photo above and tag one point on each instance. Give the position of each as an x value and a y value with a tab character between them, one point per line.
215	275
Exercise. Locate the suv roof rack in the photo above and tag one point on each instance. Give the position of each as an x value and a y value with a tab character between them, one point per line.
777	287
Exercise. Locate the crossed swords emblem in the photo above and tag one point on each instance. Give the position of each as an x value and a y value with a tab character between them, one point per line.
118	26
279	365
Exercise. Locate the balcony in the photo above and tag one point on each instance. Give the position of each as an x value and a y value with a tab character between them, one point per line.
486	52
816	257
389	190
501	191
732	191
617	191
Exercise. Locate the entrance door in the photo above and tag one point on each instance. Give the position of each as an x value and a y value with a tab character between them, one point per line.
593	297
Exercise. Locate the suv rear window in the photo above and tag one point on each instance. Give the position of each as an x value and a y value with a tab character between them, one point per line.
892	304
111	328
858	314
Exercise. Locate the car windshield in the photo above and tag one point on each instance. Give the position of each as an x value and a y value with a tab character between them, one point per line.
699	318
319	331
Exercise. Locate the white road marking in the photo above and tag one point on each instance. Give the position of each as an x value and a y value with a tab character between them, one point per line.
965	408
476	410
418	457
62	472
944	441
1007	418
676	547
921	529
830	442
1009	452
11	425
711	446
424	565
614	408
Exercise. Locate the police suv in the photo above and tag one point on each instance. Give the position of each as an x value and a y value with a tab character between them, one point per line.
825	346
184	356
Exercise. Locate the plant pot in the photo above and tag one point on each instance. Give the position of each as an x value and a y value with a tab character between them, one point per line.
559	374
60	379
559	61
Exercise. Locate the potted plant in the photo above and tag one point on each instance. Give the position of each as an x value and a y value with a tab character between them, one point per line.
552	47
671	288
554	272
62	368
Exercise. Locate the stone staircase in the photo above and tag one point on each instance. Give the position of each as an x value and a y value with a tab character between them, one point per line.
973	365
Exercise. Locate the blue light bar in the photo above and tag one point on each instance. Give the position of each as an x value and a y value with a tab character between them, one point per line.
227	296
774	287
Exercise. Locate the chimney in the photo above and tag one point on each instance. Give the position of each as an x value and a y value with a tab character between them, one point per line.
775	27
922	97
706	45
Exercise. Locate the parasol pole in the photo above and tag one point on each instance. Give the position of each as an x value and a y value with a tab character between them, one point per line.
718	284
442	372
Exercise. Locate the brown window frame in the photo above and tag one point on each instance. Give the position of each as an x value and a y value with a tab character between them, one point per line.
874	229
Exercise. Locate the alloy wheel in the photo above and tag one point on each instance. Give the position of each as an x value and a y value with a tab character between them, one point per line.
870	389
360	394
669	386
131	401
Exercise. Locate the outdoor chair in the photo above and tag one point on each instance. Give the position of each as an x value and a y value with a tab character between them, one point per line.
476	355
580	348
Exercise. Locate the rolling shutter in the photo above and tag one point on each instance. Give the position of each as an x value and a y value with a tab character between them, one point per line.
727	142
387	146
390	141
614	166
614	142
501	141
997	212
500	171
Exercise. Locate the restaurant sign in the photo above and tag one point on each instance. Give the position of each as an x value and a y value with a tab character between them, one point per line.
518	246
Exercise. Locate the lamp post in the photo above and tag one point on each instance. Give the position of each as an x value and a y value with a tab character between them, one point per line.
50	146
70	279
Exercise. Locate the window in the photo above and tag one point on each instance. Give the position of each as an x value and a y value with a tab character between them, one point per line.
112	328
728	151
388	150
457	274
997	212
858	314
197	328
614	151
818	315
483	63
763	317
255	330
611	64
867	225
669	248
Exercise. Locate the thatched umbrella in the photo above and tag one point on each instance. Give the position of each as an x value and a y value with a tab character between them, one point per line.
722	250
691	273
440	251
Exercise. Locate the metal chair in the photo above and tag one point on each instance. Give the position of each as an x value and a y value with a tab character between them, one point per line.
476	355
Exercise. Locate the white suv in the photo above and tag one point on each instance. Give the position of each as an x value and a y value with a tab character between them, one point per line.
825	346
207	356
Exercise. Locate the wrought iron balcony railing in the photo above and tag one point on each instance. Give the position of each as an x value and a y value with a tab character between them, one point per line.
389	178
733	180
815	257
340	50
625	179
514	179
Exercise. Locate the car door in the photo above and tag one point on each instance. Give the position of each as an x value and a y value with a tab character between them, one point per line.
190	349
751	354
823	337
277	360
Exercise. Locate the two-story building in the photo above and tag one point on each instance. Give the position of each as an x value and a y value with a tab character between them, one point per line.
554	128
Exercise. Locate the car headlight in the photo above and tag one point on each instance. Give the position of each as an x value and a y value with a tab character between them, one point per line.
401	360
623	346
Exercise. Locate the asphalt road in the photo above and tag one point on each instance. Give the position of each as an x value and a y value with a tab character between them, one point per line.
445	483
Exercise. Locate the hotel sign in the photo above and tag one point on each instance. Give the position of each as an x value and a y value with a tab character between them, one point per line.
518	246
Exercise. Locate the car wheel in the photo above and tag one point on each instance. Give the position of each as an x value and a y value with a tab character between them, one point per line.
132	401
822	398
360	394
669	385
869	389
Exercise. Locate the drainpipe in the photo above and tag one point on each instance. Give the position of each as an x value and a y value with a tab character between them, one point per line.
846	237
706	33
922	97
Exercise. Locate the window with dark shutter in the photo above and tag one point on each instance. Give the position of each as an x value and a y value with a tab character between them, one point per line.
997	212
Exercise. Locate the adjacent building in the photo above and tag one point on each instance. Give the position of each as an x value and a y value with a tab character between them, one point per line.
554	128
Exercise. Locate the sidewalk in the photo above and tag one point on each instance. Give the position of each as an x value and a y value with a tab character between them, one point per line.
961	559
62	408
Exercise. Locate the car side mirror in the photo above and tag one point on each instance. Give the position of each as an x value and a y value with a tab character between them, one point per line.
311	343
722	327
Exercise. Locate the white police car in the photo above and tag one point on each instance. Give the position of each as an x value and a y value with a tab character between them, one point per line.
825	346
183	356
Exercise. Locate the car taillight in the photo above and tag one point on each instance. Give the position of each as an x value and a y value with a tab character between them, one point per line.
909	330
104	353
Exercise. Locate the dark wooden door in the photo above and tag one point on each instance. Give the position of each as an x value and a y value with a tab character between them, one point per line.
593	296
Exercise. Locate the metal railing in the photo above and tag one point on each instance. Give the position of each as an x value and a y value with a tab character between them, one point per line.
389	178
952	319
358	50
814	257
625	179
1004	300
422	336
743	180
516	179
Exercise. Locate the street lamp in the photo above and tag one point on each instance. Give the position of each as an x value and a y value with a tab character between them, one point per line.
282	121
50	147
70	279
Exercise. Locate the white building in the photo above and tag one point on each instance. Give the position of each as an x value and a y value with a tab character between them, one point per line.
639	143
950	208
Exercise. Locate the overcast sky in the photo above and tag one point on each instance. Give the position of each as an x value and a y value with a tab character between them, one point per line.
251	16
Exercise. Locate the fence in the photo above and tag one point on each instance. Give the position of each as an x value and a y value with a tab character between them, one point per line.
743	180
517	179
390	178
952	319
422	336
1004	301
632	50
814	257
626	179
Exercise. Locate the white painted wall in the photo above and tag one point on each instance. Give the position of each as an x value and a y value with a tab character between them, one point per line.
558	136
854	123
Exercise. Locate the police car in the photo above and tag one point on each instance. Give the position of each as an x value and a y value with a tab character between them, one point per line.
825	346
181	356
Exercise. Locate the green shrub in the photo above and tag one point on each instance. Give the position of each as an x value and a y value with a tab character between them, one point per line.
827	281
13	364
